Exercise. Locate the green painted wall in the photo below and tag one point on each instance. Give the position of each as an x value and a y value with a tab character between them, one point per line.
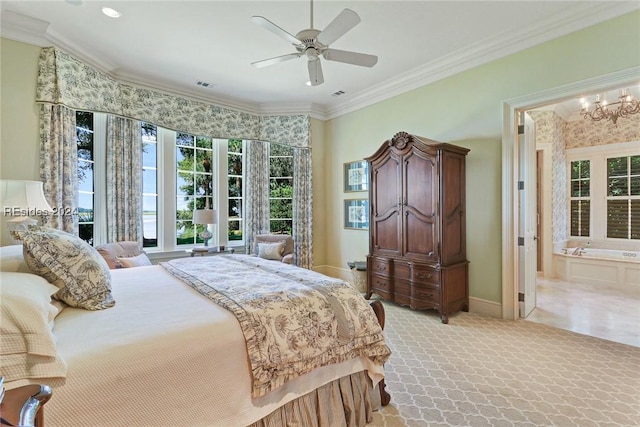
466	109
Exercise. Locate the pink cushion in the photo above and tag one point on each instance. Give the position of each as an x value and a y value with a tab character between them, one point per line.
112	251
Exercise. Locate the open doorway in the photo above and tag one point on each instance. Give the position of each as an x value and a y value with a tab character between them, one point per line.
513	265
605	304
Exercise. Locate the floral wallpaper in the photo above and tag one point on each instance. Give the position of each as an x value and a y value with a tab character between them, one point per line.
65	80
563	135
587	133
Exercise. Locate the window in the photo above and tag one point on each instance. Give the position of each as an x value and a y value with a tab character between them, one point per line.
194	184
280	188
85	141
235	164
603	192
623	197
180	173
580	211
149	185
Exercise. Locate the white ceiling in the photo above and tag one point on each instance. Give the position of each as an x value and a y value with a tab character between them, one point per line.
174	44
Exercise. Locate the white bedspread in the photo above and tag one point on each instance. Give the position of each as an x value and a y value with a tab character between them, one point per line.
163	356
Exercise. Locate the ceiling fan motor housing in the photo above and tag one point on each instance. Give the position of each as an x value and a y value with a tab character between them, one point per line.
308	41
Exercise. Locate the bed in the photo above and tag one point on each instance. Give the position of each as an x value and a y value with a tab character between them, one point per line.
168	354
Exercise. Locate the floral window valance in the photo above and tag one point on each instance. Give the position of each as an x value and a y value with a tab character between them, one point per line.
65	80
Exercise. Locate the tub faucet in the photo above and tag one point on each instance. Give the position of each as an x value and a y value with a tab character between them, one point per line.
578	251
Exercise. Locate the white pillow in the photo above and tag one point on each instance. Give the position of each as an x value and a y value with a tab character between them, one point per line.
77	269
11	259
271	250
134	261
27	344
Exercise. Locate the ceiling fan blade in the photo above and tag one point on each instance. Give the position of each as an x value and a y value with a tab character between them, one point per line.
315	72
355	58
270	26
346	20
275	60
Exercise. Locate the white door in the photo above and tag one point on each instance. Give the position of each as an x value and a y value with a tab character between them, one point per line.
528	217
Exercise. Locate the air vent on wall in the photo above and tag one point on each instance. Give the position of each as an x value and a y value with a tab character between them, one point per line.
204	84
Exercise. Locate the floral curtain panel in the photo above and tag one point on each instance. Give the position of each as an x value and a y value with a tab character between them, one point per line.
257	192
124	171
302	208
59	165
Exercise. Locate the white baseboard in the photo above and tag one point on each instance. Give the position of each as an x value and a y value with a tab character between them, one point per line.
476	305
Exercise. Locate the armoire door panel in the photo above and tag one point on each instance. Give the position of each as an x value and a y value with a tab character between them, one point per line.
386	184
419	173
386	235
419	238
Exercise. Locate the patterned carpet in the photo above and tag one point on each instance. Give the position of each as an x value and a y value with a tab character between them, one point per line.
480	371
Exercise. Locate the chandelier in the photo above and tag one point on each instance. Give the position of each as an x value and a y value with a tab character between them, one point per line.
602	110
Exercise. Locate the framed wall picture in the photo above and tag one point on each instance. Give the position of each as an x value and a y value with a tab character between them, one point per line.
356	214
356	176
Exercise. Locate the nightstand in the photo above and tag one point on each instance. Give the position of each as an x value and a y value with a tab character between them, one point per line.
210	251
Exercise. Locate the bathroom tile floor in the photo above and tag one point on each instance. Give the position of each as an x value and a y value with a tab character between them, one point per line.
604	312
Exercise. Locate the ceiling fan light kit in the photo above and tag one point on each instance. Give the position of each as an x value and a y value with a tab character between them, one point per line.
314	44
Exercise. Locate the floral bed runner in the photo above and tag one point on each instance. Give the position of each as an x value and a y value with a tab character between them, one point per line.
294	320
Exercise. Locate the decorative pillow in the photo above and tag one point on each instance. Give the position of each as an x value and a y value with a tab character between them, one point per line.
27	344
134	261
11	259
77	269
271	250
111	252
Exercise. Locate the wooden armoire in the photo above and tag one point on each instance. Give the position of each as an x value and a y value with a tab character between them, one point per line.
417	239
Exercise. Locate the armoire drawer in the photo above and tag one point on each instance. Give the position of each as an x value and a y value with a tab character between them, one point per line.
425	293
425	274
381	266
381	285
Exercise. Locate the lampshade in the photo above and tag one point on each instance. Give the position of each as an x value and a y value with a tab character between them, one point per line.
204	216
23	198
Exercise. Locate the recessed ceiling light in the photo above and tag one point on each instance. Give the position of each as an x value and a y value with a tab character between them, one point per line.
111	13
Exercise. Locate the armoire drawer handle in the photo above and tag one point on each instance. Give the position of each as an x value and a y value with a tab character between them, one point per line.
383	284
425	295
422	276
381	267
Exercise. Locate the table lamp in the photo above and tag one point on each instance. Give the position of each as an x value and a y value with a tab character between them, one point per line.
204	217
21	200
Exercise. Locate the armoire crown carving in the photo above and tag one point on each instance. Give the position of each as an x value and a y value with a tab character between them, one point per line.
417	239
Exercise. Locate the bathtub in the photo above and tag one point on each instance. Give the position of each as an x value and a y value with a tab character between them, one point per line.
598	266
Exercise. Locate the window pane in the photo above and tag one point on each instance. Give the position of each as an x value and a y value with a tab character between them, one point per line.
85	176
617	166
235	230
184	184
85	232
149	221
280	150
618	187
235	208
184	140
235	164
618	219
203	142
149	155
281	187
635	219
635	165
580	218
234	146
149	184
281	226
635	186
281	208
235	187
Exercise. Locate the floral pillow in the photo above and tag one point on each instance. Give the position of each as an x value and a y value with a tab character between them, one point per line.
140	260
271	250
76	268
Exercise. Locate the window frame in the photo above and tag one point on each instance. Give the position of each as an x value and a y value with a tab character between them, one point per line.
598	156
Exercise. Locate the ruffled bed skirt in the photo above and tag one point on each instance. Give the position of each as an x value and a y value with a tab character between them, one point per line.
346	402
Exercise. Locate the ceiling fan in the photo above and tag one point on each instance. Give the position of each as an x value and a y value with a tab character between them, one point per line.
313	44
